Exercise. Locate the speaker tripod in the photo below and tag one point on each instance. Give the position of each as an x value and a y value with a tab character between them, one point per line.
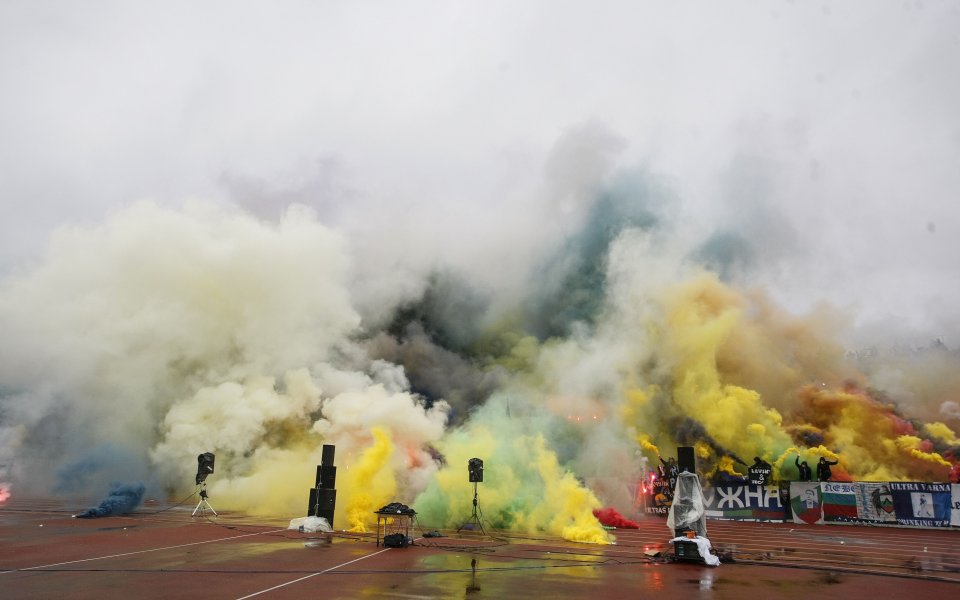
204	504
475	516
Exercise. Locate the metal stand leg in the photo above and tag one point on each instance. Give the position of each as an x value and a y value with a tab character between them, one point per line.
204	504
475	516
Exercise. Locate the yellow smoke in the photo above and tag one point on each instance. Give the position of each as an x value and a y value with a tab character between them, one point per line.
370	483
702	314
639	412
261	438
941	432
786	456
724	464
276	483
496	491
810	455
702	450
775	353
910	445
568	506
635	401
524	488
644	440
870	438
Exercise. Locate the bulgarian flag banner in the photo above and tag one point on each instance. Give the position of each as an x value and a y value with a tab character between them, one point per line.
839	502
806	502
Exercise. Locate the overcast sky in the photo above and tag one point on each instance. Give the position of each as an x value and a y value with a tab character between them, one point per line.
827	132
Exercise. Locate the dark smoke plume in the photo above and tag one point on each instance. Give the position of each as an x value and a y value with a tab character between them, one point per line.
690	431
122	499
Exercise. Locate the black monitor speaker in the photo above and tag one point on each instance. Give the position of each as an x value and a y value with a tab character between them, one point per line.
204	466
686	460
475	470
326	477
322	504
326	458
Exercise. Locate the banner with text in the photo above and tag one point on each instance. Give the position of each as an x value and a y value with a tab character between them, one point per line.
839	502
877	503
922	504
654	497
744	502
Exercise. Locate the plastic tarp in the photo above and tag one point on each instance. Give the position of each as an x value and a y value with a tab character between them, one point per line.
688	511
310	524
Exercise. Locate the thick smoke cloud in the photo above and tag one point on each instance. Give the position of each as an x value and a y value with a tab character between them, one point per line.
122	499
169	323
565	239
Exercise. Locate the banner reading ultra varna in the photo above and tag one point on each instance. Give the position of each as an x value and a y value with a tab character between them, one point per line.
896	503
922	504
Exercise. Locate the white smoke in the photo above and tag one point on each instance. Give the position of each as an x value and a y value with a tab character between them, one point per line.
168	316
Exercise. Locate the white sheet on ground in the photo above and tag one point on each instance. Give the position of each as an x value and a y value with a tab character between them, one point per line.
703	547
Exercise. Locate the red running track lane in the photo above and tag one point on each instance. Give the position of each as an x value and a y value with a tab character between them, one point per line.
160	551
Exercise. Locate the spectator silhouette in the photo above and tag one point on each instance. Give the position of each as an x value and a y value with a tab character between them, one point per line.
823	469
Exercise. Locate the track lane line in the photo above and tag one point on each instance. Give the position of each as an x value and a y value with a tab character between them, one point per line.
70	562
349	562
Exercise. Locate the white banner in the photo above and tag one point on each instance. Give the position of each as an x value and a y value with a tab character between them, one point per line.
955	505
875	503
806	501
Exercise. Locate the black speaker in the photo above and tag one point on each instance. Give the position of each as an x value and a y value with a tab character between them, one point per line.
475	470
204	466
326	477
686	460
395	540
322	504
327	458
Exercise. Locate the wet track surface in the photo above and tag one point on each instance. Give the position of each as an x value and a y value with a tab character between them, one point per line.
160	551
